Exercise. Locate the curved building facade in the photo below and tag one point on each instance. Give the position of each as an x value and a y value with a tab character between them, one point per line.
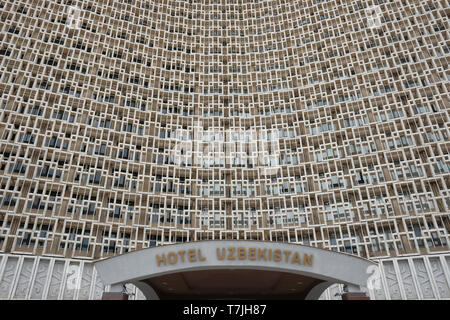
132	124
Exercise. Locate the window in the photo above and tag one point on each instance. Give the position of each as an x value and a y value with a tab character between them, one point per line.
359	178
441	167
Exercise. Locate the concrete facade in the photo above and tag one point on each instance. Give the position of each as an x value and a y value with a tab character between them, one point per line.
135	124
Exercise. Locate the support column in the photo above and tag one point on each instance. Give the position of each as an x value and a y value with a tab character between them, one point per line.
352	292
316	291
116	292
146	289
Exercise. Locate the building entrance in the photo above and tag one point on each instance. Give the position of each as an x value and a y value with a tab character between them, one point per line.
233	269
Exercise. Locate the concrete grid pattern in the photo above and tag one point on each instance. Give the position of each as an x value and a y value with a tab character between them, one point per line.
94	92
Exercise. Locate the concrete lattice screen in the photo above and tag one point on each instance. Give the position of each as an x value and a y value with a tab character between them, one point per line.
94	93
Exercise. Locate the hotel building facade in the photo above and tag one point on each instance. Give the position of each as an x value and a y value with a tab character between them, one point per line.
133	124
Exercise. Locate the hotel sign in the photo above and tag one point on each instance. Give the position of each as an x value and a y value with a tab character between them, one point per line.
234	254
313	262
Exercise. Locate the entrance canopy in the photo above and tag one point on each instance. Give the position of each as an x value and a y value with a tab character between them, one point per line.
220	269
